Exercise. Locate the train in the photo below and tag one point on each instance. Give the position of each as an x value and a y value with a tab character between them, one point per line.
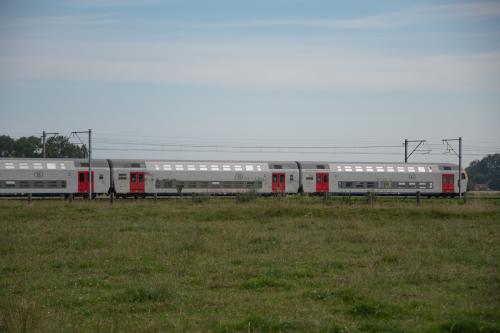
145	178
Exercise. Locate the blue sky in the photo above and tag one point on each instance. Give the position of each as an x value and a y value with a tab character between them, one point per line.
159	78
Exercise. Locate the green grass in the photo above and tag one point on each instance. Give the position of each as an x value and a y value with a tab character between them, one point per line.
259	265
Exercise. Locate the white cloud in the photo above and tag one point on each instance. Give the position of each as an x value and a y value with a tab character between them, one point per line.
266	65
414	16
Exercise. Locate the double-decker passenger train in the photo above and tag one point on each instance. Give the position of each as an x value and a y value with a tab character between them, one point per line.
141	178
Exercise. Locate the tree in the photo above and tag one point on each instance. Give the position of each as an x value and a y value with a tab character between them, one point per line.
30	146
60	147
485	171
6	146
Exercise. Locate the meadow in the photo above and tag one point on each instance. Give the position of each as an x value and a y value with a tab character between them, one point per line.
259	265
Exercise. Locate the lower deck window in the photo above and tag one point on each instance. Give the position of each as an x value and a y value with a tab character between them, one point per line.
194	184
33	184
388	185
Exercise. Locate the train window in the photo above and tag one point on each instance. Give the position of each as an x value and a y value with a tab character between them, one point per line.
275	179
411	169
431	184
291	177
401	169
37	166
282	179
101	177
141	178
390	169
82	177
369	169
135	165
10	183
380	169
63	166
359	168
249	168
132	178
320	166
339	168
259	168
446	168
277	166
238	168
429	169
318	179
51	166
348	168
421	169
179	167
463	176
214	167
191	168
370	185
325	178
401	185
203	168
23	166
122	176
167	167
345	184
9	165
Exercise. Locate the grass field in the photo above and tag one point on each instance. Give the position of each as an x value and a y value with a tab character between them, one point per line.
267	265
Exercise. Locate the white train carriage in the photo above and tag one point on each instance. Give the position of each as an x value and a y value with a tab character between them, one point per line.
211	177
37	176
130	178
100	177
398	179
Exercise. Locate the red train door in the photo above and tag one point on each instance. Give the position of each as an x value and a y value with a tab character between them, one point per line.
83	181
448	183
322	183
278	182
137	182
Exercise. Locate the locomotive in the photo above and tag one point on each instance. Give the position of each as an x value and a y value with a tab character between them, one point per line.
142	178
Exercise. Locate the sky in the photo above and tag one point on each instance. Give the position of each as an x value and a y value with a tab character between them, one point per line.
255	79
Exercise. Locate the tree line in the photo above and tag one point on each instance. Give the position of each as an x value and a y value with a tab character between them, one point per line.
32	146
485	171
